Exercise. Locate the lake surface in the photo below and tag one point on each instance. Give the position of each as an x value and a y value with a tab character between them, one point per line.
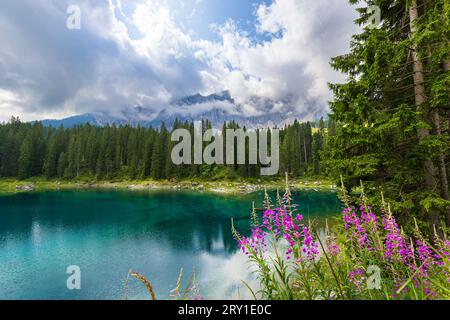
106	233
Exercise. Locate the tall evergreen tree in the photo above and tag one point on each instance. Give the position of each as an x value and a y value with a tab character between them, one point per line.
25	159
387	132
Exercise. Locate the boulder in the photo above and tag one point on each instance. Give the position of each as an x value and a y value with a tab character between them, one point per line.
26	187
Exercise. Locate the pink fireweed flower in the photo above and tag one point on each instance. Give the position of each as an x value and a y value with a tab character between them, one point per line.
268	214
309	248
289	254
368	219
287	236
366	233
277	220
334	249
288	223
395	247
357	277
425	255
256	244
243	243
443	248
355	227
362	239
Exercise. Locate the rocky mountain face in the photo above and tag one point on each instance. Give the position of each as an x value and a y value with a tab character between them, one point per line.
217	108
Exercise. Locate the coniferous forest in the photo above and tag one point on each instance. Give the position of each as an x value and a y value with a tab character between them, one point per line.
125	152
394	109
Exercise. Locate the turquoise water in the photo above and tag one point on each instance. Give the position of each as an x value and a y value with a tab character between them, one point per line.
106	233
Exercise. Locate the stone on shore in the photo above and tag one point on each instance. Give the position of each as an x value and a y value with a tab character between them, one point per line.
26	187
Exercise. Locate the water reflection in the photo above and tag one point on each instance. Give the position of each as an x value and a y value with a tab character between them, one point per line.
108	232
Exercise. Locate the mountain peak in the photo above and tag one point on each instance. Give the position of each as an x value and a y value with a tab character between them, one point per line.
199	99
190	108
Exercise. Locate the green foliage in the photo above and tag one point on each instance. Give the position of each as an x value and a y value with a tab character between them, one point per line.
118	153
376	119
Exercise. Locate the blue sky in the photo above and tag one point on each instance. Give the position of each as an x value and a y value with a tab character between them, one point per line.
198	16
218	12
152	52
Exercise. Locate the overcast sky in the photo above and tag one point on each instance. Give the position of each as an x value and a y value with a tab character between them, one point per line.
152	52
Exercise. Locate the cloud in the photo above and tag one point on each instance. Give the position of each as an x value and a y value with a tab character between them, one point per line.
140	53
292	67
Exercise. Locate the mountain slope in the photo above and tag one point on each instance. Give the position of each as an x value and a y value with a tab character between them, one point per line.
217	108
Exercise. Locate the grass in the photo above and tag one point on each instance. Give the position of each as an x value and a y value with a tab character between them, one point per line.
190	292
142	279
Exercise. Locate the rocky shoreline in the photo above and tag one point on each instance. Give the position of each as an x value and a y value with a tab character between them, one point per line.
223	187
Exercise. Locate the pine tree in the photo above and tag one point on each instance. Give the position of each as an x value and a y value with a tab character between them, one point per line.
51	160
25	159
62	165
386	131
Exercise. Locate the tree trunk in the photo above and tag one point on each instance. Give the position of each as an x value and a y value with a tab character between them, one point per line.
306	154
420	98
446	67
436	119
442	165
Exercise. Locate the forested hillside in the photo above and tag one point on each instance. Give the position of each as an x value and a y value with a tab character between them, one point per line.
125	152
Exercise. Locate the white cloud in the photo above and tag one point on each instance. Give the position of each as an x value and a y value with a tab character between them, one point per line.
140	53
293	64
